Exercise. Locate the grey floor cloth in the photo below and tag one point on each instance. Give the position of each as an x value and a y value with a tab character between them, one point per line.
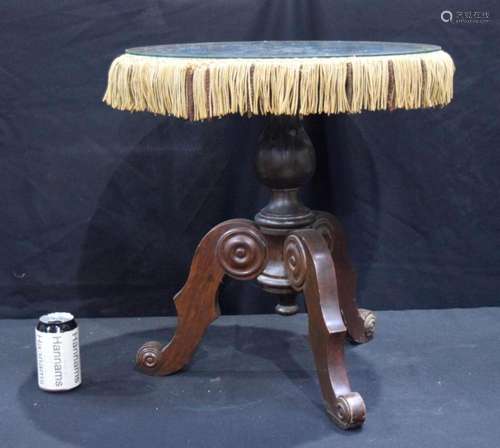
429	379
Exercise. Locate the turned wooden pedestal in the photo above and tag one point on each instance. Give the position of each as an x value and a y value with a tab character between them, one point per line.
287	249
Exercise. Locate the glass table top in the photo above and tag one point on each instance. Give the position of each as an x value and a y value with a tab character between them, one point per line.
282	49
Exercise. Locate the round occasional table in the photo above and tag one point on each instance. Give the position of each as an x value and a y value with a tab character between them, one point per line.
287	248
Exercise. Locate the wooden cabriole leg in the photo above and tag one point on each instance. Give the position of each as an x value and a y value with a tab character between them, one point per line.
234	247
311	270
360	322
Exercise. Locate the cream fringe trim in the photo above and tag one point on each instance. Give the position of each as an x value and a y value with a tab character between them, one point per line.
198	89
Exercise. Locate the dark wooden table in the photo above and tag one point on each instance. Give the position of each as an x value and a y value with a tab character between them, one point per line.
288	248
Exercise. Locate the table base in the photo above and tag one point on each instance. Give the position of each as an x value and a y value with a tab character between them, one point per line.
287	249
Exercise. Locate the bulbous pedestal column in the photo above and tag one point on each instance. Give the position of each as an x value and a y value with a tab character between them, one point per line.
285	162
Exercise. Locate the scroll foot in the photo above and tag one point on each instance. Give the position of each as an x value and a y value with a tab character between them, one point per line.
369	322
349	412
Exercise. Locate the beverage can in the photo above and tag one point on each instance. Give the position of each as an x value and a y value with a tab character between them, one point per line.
58	352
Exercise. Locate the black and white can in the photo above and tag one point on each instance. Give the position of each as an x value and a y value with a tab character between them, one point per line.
58	352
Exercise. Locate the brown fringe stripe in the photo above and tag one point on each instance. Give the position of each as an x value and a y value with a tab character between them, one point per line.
348	83
189	93
391	93
207	92
251	90
424	83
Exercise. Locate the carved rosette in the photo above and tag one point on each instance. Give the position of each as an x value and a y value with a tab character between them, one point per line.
350	411
326	229
242	252
295	258
148	356
369	322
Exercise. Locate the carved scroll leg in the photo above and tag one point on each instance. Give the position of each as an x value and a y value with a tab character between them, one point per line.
235	248
360	322
310	268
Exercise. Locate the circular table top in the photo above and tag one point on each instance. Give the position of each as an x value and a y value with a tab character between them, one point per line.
282	49
199	81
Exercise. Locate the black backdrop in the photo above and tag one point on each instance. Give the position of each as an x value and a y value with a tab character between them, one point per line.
101	210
